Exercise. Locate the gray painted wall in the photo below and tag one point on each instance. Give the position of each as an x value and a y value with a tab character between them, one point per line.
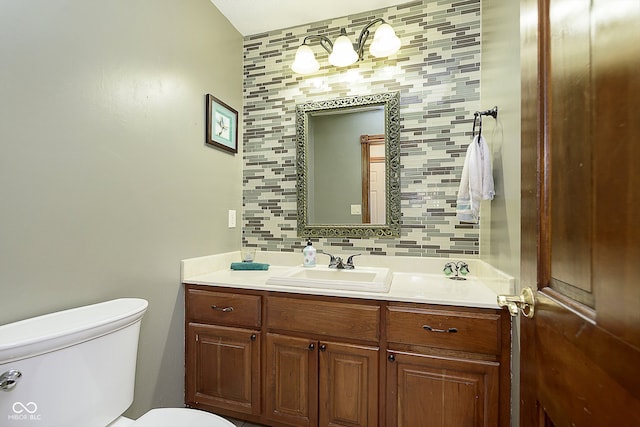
105	181
500	242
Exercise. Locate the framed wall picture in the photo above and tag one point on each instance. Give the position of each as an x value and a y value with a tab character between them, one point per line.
222	125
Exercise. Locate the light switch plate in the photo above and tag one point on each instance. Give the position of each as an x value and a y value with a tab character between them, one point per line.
232	218
356	209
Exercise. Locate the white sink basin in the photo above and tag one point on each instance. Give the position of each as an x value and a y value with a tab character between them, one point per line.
363	279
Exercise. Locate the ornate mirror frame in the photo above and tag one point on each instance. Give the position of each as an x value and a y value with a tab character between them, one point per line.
391	228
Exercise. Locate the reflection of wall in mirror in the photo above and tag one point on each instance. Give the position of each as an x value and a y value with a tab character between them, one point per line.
334	166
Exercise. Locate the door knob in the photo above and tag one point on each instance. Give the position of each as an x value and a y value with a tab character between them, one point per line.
524	302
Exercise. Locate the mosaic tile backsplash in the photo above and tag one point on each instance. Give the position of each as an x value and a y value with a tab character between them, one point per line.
437	72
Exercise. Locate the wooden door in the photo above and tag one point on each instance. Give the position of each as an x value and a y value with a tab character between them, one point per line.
348	385
435	391
292	380
580	363
223	368
377	191
373	179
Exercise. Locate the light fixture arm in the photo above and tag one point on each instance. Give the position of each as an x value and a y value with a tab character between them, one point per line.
364	35
324	41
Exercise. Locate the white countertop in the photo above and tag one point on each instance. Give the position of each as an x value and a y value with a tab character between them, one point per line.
415	279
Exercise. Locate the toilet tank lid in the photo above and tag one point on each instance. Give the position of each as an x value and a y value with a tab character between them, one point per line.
53	331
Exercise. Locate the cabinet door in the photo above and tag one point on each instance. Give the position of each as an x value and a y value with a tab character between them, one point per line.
432	391
223	368
292	380
348	385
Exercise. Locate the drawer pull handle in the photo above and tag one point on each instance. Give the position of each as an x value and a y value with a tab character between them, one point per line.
323	347
253	337
312	347
446	331
224	309
392	358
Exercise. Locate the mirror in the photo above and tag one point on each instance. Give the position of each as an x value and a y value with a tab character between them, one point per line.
342	146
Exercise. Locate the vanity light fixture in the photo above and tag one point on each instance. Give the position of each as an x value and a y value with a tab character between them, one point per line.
342	52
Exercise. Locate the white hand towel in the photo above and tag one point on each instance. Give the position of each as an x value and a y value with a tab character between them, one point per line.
476	183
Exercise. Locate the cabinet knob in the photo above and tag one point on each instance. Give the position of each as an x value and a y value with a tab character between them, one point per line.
391	358
253	337
312	347
323	347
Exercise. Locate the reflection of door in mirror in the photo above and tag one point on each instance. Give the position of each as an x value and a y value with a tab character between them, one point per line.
373	179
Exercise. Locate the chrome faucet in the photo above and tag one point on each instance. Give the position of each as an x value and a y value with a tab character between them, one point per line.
337	262
459	267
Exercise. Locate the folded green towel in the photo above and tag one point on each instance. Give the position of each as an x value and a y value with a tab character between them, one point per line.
249	266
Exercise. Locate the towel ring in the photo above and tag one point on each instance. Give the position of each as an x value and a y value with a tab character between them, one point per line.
477	118
473	131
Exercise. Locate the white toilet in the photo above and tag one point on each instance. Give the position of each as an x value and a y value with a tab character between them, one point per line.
76	368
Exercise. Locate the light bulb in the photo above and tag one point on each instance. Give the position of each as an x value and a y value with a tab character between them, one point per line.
385	42
343	53
305	61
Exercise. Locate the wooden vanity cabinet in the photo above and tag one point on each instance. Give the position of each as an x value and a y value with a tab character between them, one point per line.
222	351
283	359
447	366
317	374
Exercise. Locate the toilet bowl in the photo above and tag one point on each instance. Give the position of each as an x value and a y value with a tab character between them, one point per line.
77	368
172	417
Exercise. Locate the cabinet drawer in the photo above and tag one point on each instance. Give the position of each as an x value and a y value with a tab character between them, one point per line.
338	319
453	330
223	308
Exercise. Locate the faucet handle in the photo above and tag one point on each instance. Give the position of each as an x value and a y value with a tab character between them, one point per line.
449	268
464	268
350	260
333	261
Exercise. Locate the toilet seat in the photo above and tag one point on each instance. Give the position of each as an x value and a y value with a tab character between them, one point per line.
172	417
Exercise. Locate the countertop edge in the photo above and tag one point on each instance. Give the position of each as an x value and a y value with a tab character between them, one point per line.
479	292
391	297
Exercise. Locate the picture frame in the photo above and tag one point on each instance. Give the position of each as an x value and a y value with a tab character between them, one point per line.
222	125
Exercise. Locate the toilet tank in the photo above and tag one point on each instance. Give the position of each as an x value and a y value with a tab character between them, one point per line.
77	366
